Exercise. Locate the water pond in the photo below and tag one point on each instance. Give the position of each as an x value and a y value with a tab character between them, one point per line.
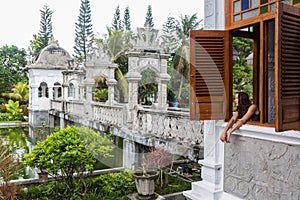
21	140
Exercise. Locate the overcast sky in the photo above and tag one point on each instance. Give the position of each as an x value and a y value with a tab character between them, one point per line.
20	19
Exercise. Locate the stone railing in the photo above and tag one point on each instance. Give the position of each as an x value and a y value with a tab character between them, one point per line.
75	108
114	115
168	125
57	105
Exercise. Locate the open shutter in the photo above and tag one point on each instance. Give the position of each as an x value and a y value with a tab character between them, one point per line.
209	75
287	68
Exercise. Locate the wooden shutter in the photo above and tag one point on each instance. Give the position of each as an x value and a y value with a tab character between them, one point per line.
287	68
209	75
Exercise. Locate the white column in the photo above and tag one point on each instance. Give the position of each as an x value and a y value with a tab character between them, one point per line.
111	91
129	154
211	187
162	91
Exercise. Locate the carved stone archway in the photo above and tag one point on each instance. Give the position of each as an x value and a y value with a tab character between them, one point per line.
99	63
147	53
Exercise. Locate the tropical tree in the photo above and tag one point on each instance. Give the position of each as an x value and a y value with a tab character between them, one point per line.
126	21
176	33
84	32
242	72
12	63
117	23
41	39
45	32
149	17
117	44
19	92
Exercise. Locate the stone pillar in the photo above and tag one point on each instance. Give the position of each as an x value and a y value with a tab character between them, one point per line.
51	121
111	91
162	91
65	88
50	93
129	154
62	120
133	79
214	14
55	92
34	95
89	92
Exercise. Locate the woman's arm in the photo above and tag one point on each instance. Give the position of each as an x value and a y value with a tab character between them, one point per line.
244	119
229	125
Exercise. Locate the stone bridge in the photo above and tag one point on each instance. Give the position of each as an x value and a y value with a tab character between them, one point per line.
63	94
146	125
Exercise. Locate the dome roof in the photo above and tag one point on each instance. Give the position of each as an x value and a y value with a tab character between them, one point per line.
52	57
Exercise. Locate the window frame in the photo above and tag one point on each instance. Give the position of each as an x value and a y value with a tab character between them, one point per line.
283	119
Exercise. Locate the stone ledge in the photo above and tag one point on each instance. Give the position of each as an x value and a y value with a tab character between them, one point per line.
13	124
266	133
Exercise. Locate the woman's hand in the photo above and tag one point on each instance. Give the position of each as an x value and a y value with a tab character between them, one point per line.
223	136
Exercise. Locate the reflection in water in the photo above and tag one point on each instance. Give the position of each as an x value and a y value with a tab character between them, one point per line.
17	139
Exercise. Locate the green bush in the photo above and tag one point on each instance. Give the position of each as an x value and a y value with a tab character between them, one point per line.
101	95
6	117
2	108
64	153
104	187
13	107
175	185
114	185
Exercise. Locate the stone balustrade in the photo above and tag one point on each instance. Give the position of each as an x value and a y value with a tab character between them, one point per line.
141	124
168	125
112	115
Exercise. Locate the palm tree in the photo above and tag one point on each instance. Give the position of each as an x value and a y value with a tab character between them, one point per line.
116	44
176	34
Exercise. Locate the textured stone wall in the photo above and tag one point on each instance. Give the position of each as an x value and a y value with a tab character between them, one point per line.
262	169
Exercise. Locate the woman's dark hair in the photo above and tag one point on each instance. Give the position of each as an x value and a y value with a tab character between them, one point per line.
244	103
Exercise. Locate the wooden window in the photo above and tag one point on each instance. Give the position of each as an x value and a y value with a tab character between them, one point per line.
210	75
287	68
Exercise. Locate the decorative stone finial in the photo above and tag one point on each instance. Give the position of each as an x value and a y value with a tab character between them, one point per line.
52	41
99	55
147	39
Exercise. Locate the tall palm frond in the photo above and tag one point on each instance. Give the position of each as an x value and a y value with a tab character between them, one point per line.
177	32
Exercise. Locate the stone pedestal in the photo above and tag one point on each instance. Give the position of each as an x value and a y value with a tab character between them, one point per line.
211	187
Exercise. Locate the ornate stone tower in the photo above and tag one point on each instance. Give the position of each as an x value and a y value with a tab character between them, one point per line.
147	53
45	81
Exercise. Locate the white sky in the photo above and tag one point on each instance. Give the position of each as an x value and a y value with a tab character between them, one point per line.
20	19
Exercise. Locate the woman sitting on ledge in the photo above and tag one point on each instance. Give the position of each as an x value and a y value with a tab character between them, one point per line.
245	111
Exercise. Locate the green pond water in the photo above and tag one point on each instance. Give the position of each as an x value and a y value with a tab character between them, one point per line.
21	140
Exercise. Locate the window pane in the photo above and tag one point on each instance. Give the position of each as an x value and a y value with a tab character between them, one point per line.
264	1
273	7
245	4
287	1
237	18
254	3
237	6
249	14
263	9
